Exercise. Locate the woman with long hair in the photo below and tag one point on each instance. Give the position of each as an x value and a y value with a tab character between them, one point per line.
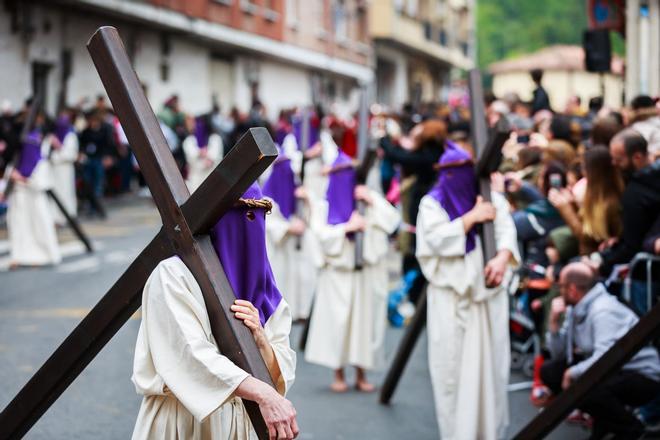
598	218
601	210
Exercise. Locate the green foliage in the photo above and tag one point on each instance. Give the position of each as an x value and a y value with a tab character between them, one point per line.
506	28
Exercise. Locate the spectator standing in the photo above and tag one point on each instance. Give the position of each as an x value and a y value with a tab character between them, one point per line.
647	122
640	200
97	146
540	100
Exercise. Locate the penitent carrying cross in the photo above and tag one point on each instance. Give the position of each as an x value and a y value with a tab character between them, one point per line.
187	220
487	144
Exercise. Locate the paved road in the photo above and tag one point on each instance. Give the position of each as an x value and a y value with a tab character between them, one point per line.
39	307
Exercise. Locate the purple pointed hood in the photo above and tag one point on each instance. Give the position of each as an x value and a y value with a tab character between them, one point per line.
63	127
201	132
314	132
341	186
456	188
281	185
239	239
30	154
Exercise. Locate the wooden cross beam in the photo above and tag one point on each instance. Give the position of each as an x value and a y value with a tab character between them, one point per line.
487	149
367	156
186	222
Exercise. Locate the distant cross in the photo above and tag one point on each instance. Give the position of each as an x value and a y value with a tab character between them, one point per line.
487	147
367	155
187	220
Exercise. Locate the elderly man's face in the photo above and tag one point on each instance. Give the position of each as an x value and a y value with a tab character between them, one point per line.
619	157
567	291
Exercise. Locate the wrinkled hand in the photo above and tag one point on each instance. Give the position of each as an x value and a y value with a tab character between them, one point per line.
356	223
495	269
537	140
553	254
17	177
593	265
279	415
557	308
482	211
363	193
560	197
301	193
246	312
296	226
566	380
497	182
314	151
536	305
55	142
607	244
512	182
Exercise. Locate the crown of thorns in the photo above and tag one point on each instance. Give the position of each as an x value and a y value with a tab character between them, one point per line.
264	204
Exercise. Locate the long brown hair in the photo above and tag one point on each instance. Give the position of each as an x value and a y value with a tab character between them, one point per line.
601	211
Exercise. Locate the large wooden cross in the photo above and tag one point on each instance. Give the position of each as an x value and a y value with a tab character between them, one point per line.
187	219
487	148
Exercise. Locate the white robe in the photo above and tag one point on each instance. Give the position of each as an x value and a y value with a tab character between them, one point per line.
468	324
198	167
294	271
188	386
30	223
350	311
64	177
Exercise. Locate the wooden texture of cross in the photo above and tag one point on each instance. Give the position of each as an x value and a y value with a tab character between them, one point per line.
186	218
487	149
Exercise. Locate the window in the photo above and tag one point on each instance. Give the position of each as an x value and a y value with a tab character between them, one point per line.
292	13
340	20
249	7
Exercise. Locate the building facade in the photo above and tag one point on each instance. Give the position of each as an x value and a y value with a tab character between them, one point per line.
283	52
564	76
418	44
642	48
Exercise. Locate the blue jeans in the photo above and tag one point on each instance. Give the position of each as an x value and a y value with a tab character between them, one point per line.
94	175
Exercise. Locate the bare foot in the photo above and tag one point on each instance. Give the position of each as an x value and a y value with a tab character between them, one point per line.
365	387
339	386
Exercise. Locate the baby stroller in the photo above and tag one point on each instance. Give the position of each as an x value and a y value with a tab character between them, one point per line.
525	323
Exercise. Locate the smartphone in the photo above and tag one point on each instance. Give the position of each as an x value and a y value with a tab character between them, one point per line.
555	180
523	139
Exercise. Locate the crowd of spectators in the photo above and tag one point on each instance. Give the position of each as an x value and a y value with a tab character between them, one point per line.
584	188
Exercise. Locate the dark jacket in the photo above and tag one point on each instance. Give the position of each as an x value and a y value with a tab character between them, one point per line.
419	163
540	100
641	207
97	144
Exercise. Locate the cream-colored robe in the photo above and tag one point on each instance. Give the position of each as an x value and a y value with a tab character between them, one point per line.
30	223
198	167
188	386
350	311
64	177
294	270
468	324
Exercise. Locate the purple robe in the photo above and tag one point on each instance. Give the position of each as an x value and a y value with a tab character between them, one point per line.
341	188
314	134
62	127
201	132
239	239
30	154
456	188
281	185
